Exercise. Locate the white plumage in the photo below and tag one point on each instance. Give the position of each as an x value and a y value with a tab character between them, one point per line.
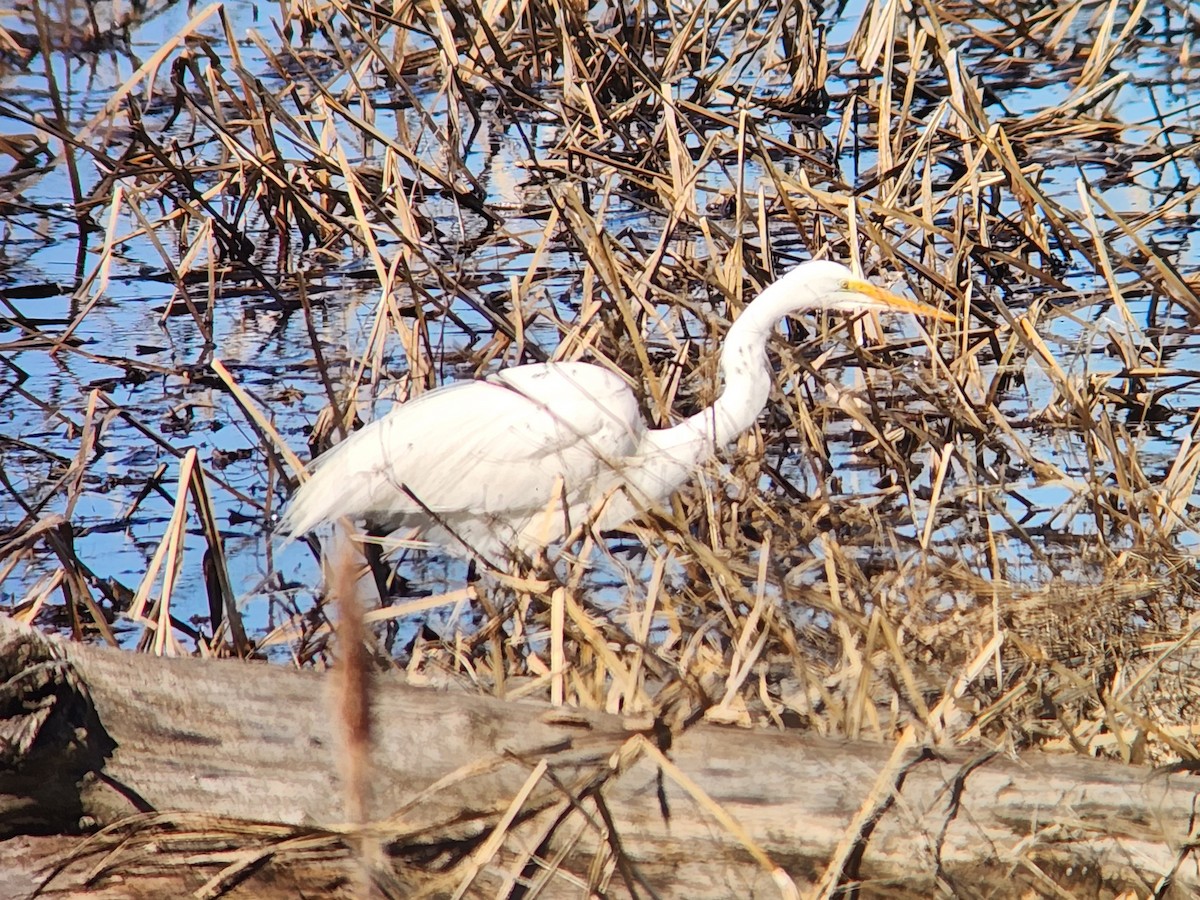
520	459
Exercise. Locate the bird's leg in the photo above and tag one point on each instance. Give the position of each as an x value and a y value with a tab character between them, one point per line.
387	581
380	571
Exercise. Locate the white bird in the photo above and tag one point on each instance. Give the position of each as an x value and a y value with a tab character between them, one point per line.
518	460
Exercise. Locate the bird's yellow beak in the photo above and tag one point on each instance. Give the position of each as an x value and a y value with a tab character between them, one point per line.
898	303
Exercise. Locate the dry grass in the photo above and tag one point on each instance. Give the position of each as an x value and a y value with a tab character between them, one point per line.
877	559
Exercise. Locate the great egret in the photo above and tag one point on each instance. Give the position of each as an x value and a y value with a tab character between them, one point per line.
519	459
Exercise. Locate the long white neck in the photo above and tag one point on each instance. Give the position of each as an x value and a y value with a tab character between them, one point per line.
668	457
746	376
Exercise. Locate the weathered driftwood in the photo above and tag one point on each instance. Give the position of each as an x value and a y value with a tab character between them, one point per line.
232	766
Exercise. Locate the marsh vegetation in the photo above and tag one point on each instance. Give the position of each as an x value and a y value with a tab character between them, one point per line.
224	239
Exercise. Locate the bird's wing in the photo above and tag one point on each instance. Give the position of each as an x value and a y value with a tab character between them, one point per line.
490	451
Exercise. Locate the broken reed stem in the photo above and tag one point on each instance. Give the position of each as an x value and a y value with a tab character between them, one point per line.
352	699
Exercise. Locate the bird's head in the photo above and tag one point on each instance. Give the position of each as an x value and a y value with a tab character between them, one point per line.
824	285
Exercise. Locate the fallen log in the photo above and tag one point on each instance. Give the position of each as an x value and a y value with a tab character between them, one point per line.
134	776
